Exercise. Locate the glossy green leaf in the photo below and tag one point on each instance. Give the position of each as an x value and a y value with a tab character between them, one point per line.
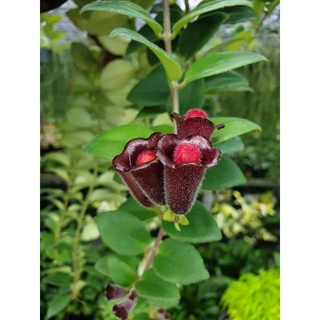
192	96
207	7
164	128
119	269
143	3
123	232
179	262
220	62
146	32
230	146
172	67
126	8
202	227
151	112
199	33
156	291
142	213
57	304
230	81
233	127
226	174
111	143
153	90
238	14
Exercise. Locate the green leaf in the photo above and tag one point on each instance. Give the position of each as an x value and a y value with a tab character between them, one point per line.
220	62
101	23
83	58
111	143
59	279
207	7
79	118
141	316
57	304
123	232
238	14
156	291
146	32
199	33
230	81
179	262
233	127
126	8
230	146
172	67
142	213
164	128
226	174
117	74
119	269
151	112
61	157
153	90
202	227
192	96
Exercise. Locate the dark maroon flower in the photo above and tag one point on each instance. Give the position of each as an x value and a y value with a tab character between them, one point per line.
123	309
113	291
142	170
185	161
195	122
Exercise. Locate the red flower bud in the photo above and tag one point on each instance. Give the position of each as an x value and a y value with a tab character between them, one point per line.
141	170
183	172
194	123
193	113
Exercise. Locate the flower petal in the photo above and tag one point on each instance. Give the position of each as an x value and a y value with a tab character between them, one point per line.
182	181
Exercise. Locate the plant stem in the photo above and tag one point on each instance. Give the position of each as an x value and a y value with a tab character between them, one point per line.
75	251
154	250
174	92
167	27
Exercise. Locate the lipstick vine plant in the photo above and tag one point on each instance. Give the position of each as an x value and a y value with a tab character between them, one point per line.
167	167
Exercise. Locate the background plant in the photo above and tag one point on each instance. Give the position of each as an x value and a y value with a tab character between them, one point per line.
119	91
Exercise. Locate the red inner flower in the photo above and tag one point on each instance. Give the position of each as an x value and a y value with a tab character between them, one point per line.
145	156
186	153
193	113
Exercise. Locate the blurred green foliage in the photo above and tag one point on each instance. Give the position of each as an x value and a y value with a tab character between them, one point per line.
254	296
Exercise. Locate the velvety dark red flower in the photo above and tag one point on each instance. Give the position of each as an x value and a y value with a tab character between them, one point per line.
185	161
195	122
168	169
123	309
113	291
141	170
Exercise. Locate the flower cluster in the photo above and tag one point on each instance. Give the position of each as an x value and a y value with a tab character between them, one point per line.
167	169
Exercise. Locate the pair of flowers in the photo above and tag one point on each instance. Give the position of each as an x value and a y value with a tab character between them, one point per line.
167	169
